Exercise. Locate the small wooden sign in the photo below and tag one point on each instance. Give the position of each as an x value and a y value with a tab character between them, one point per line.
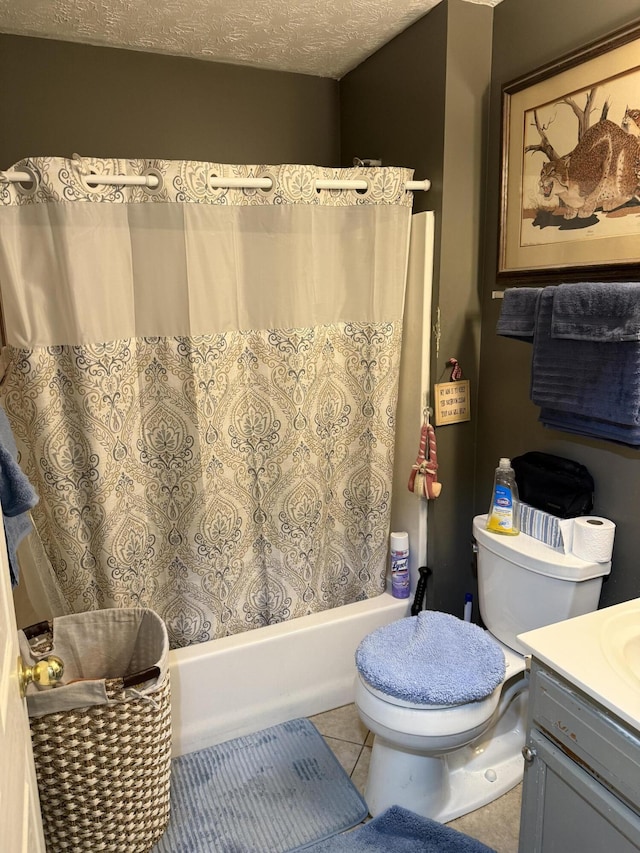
452	402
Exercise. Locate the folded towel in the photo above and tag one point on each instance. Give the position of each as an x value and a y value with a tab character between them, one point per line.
518	313
582	377
605	311
590	427
431	659
17	495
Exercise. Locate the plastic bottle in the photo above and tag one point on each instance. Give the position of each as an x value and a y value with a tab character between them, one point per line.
503	513
400	580
468	606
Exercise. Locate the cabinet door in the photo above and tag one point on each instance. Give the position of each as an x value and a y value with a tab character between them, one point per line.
565	809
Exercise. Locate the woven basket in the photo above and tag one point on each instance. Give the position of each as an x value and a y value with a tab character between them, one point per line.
104	771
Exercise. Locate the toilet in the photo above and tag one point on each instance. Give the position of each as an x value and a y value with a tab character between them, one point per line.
446	699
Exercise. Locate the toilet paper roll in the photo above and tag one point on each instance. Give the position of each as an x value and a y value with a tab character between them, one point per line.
593	538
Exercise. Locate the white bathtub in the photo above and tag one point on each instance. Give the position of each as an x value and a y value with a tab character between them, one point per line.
237	685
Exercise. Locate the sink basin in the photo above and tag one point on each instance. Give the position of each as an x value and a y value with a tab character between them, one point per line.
620	642
599	653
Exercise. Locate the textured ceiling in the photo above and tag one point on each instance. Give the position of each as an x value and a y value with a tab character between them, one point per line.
326	38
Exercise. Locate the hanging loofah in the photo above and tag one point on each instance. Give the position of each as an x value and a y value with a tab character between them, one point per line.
423	480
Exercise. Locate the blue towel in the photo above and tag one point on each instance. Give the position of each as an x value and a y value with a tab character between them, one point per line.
518	313
590	427
590	379
17	495
431	659
599	312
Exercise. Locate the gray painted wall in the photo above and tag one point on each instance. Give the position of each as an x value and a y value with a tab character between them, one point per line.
526	36
422	100
60	98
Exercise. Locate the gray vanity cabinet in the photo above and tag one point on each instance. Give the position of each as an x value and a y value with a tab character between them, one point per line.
581	791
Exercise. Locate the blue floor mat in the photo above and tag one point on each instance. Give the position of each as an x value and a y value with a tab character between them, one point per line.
398	830
275	791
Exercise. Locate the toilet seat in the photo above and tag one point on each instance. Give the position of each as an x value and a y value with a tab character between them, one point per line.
431	660
404	703
388	715
452	725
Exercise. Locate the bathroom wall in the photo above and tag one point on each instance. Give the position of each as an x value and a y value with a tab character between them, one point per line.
422	100
431	98
60	98
527	35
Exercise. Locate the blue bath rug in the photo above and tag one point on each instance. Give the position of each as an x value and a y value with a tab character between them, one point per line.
274	791
400	831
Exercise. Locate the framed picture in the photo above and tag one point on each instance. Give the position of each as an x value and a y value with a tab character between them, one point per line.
570	205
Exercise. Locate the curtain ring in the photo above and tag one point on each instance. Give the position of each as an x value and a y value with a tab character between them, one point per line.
80	166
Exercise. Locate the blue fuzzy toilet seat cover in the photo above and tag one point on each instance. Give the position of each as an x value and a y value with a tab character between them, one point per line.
431	659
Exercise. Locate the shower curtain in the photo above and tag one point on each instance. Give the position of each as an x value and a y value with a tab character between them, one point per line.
202	384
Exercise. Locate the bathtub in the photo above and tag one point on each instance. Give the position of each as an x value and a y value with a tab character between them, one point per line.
241	684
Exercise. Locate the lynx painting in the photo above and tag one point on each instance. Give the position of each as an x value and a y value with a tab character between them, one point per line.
581	164
570	199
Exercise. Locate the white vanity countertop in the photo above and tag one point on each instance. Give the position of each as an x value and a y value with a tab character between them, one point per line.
599	653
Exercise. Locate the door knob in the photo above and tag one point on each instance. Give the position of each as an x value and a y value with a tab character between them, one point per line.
528	754
46	672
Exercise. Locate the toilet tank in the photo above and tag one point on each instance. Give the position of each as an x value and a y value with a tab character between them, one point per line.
524	584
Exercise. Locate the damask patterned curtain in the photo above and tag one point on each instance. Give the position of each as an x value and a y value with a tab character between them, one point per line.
202	384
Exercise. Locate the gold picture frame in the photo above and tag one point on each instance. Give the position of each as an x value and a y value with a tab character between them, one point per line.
570	183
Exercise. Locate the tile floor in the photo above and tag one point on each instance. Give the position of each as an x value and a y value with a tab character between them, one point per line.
496	825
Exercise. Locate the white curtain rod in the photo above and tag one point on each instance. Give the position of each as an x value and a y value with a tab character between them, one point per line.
152	182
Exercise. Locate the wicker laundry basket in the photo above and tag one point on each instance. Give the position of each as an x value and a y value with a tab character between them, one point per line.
102	738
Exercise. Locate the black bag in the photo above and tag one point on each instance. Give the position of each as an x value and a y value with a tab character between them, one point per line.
556	485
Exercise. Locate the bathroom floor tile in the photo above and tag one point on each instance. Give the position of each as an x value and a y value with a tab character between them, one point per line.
497	825
341	723
360	771
346	753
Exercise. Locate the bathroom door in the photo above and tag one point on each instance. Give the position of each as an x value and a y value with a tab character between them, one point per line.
20	821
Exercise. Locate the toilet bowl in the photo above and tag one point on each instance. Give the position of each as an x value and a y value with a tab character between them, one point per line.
415	760
443	759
